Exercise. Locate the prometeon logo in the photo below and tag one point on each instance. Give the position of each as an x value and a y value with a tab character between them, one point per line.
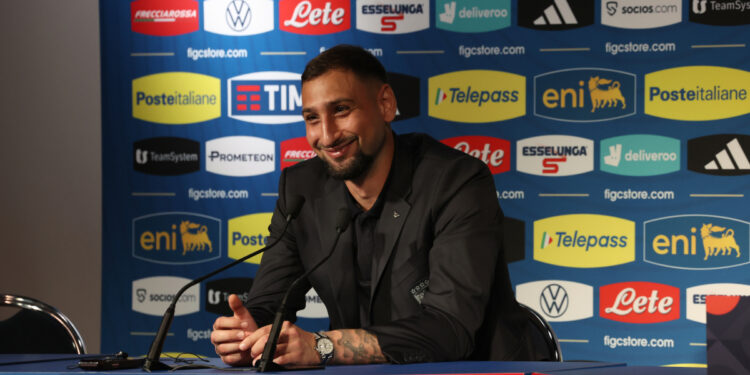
477	96
240	156
555	155
584	241
697	93
720	12
558	300
265	97
408	96
584	95
176	98
247	234
176	238
641	14
393	16
475	16
696	242
152	295
720	154
238	17
695	298
164	17
166	156
494	152
314	306
640	155
314	17
555	14
639	302
294	151
218	291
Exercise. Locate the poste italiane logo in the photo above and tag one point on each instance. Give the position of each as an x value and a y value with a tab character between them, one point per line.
477	96
176	238
695	297
697	93
494	152
584	240
176	98
247	234
640	155
474	16
641	14
558	300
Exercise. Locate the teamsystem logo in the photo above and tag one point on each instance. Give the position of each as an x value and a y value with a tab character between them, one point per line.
218	291
314	17
558	300
720	12
695	297
639	302
393	17
584	95
248	233
176	238
477	96
640	155
696	242
240	156
584	240
494	152
555	155
265	97
555	14
472	16
720	154
152	295
166	156
238	17
176	98
164	17
294	151
641	14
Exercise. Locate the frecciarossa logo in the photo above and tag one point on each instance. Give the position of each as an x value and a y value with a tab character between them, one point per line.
164	17
294	151
639	302
477	96
494	152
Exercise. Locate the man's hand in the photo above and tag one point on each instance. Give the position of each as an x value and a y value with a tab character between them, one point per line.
229	331
295	345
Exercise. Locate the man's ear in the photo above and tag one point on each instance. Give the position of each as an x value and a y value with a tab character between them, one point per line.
387	102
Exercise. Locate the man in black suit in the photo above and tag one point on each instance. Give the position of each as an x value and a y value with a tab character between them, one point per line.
418	276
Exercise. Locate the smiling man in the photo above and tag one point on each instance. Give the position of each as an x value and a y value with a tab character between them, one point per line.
418	276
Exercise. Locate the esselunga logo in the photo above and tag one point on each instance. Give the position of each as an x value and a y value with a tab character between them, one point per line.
584	240
265	97
555	155
494	152
639	302
248	233
558	300
477	96
640	155
696	242
474	16
584	95
393	16
641	14
294	151
314	307
697	93
695	297
176	238
164	17
240	156
176	98
152	295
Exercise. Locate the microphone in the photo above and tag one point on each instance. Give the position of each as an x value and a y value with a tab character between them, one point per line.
152	360
343	217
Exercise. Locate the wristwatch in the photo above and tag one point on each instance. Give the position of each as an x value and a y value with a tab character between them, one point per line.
324	346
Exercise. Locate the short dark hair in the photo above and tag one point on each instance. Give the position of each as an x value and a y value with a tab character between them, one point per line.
345	57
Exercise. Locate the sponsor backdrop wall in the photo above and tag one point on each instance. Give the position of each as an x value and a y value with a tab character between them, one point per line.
616	132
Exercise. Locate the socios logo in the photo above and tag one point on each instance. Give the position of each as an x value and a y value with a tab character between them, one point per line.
584	241
555	155
218	291
247	234
166	156
477	96
314	307
720	12
639	302
494	152
406	89
238	17
640	155
176	98
164	17
558	300
695	298
472	16
393	17
720	154
240	156
696	242
153	295
176	238
555	14
584	95
697	93
294	151
265	97
641	14
314	17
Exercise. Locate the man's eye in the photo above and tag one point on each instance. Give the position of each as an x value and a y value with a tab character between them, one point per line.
310	118
341	108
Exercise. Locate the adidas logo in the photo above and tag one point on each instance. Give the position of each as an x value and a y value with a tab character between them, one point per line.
546	240
558	13
730	158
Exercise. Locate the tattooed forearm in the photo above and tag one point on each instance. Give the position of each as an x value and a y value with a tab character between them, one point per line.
354	346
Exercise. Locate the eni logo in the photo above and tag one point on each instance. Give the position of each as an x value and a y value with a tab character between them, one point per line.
176	238
176	98
605	93
194	237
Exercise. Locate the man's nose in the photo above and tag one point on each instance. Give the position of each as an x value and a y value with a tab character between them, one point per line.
329	130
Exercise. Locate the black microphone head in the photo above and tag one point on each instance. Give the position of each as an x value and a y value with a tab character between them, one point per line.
294	205
343	217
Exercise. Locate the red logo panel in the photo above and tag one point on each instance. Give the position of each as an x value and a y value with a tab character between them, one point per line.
164	17
294	151
639	302
314	17
494	152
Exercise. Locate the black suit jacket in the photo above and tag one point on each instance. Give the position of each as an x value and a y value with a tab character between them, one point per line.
441	229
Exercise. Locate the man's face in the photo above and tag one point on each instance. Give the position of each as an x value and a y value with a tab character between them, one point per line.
346	120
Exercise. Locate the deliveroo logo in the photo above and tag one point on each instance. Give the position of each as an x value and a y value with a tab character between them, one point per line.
475	16
640	155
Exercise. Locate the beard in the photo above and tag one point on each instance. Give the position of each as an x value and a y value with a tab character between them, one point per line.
351	169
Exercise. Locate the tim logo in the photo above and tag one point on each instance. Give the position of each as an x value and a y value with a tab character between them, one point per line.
639	302
494	152
315	17
696	242
719	155
555	14
584	95
176	238
294	151
238	17
393	17
265	98
720	12
558	300
164	17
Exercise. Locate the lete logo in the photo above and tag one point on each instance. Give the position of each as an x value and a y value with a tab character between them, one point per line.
494	152
639	302
315	17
